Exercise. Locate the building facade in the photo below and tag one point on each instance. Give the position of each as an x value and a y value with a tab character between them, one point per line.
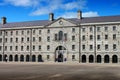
83	40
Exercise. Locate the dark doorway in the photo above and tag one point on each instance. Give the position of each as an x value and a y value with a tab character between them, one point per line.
22	58
33	58
60	57
91	59
16	58
40	58
106	59
83	58
114	59
98	58
0	57
27	58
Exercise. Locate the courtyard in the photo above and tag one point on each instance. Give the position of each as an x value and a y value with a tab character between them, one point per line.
59	71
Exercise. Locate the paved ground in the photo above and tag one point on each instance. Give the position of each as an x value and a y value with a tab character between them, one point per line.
59	71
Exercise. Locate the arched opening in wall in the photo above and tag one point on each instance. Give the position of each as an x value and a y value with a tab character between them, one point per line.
16	58
114	59
99	59
40	58
27	58
60	57
33	58
91	59
10	58
5	57
0	57
22	58
106	59
83	58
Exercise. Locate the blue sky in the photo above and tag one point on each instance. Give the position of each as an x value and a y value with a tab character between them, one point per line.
29	10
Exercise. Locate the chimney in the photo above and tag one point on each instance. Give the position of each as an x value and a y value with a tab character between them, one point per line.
51	16
79	14
4	20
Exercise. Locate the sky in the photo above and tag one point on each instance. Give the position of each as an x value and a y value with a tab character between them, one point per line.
30	10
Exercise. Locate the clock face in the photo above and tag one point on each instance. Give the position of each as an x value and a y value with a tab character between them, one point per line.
60	22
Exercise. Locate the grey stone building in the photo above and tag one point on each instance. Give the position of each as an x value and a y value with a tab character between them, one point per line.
81	39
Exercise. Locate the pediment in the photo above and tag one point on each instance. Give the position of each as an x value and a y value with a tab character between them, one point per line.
60	23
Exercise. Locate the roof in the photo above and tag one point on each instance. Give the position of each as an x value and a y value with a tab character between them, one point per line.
74	20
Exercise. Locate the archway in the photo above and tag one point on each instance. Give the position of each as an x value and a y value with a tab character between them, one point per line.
106	59
33	58
0	57
60	54
83	58
22	58
27	58
114	59
16	58
91	59
40	58
10	58
98	58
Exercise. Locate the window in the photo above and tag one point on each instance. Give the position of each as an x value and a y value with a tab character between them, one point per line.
39	39
106	28
33	48
60	35
5	48
48	57
83	37
16	40
48	31
48	47
114	46
65	36
83	29
16	32
33	39
73	57
11	33
27	48
6	33
21	48
0	48
106	37
73	38
33	32
73	30
39	31
0	33
28	32
5	39
91	47
48	39
114	28
114	36
22	32
28	39
10	48
98	47
83	47
16	48
106	47
0	40
11	40
91	29
22	39
73	47
39	47
98	37
56	37
91	37
98	29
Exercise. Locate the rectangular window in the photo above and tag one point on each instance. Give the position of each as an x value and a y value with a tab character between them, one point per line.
98	29
48	39
114	46
106	47
39	31
83	37
10	48
27	48
48	57
0	33
16	32
106	28
114	36
22	39
106	37
0	40
16	40
21	48
73	47
48	31
114	28
6	33
33	48
83	29
0	48
83	47
22	32
73	57
28	32
73	38
39	47
11	33
33	39
98	47
11	40
16	48
56	36
91	29
91	37
5	48
6	40
98	37
48	47
91	47
65	36
39	39
33	32
28	39
73	30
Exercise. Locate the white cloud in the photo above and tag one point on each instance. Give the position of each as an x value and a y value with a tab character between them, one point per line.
74	14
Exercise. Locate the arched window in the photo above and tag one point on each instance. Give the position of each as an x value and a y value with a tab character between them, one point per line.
60	35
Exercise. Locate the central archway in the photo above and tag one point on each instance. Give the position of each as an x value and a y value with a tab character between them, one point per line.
60	54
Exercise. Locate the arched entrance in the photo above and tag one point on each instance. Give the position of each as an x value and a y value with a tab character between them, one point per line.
98	58
83	58
10	58
60	54
91	59
16	58
40	58
0	57
33	58
27	58
106	59
114	59
22	58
